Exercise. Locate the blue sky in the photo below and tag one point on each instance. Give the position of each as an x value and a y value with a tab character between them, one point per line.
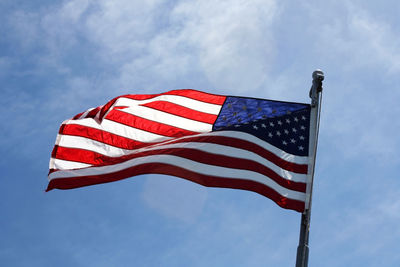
58	58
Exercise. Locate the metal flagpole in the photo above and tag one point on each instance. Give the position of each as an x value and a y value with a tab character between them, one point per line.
315	95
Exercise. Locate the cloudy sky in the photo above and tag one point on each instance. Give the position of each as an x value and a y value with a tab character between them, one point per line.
58	58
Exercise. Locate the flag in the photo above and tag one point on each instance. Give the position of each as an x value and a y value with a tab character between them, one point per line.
243	143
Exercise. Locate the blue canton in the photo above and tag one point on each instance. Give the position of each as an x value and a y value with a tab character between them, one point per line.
282	124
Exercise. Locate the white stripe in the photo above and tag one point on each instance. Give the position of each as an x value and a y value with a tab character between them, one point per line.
186	164
92	145
51	163
169	119
67	165
121	130
179	100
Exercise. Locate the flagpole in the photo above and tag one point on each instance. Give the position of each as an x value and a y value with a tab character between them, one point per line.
315	95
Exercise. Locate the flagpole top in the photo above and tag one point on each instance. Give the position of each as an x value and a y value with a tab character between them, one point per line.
316	88
318	75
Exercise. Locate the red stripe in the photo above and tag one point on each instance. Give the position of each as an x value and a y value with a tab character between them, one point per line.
81	156
189	93
90	157
162	168
102	136
181	111
147	125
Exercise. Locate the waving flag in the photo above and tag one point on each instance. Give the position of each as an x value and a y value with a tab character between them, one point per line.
217	141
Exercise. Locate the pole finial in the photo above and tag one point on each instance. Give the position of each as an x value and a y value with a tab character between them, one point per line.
318	74
318	77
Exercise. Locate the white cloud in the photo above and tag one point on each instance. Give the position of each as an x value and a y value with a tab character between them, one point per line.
224	41
364	41
46	37
226	44
377	43
122	28
232	40
24	27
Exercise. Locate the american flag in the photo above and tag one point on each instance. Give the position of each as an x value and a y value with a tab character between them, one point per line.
216	141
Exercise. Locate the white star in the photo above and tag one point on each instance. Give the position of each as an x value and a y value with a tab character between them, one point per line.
286	131
278	133
271	124
302	127
292	141
284	142
301	137
303	118
301	148
263	125
280	122
287	121
296	119
255	127
294	130
270	134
